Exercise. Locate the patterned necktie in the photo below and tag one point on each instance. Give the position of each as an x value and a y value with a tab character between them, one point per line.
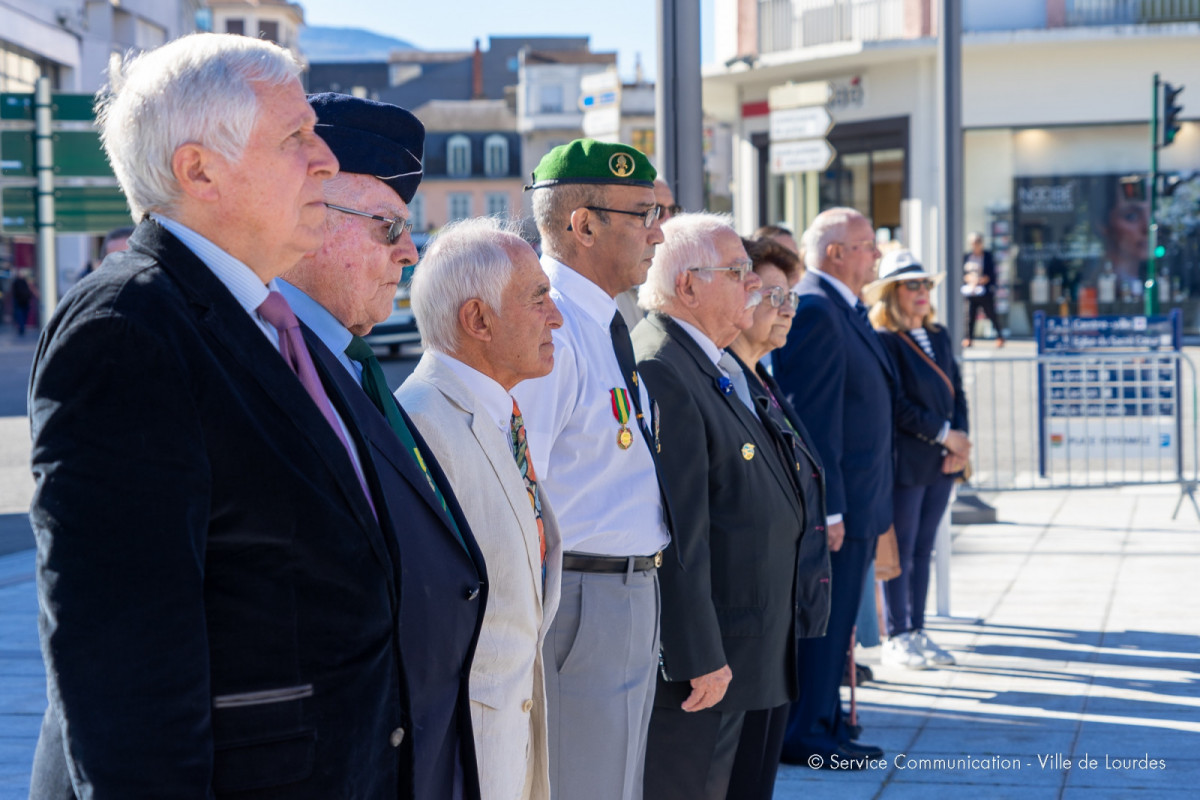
278	313
738	379
525	464
375	385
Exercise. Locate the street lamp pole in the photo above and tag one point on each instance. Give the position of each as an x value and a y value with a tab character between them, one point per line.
679	120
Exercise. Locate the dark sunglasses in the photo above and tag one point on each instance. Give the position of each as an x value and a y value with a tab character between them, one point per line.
917	285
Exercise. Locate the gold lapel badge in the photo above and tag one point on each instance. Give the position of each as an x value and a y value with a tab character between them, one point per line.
747	451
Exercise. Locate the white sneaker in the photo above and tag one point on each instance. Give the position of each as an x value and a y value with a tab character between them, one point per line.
901	651
932	652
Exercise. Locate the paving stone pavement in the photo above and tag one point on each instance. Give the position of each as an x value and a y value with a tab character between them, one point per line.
1074	622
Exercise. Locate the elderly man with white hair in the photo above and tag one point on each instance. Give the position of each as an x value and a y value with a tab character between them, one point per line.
728	616
217	607
482	303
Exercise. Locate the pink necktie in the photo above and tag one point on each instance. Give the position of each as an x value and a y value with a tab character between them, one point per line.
276	311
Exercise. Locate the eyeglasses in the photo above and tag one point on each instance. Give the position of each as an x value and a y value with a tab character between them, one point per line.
917	285
866	244
778	296
740	268
666	212
397	226
648	216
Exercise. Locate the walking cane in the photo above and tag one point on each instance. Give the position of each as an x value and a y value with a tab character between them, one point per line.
853	678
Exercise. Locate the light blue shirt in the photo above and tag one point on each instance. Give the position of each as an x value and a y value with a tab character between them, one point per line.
241	281
850	297
326	326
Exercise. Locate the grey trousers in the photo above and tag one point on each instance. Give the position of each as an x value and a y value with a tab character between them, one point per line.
601	655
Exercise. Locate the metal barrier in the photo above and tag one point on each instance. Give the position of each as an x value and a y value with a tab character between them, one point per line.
1095	419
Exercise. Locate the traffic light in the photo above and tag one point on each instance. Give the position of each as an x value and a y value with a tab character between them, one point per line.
1171	109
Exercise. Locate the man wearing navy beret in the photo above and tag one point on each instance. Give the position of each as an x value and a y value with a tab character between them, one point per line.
340	292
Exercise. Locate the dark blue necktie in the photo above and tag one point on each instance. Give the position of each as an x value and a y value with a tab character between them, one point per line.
861	308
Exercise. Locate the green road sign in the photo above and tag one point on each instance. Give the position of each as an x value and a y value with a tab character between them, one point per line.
78	209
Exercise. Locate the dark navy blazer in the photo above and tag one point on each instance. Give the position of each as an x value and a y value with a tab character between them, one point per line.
443	585
837	375
217	600
923	405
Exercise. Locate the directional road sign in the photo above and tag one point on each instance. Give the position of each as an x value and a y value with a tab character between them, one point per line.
811	122
802	156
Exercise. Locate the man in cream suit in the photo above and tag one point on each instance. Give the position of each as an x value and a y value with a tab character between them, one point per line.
482	303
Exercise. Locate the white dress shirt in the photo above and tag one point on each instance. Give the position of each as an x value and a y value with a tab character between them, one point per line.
607	499
496	402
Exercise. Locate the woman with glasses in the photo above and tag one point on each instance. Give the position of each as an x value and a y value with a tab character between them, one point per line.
931	445
779	269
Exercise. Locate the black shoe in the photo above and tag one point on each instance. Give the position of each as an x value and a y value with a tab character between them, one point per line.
862	674
862	750
852	731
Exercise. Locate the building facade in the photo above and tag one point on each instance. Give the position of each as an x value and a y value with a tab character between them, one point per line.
1057	96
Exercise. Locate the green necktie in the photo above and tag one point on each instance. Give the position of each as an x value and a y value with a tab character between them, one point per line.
375	385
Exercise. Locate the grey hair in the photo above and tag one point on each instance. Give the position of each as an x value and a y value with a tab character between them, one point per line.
828	227
689	240
467	259
552	209
198	88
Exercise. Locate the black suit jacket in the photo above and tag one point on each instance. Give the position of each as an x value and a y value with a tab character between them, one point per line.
729	596
812	566
923	405
837	375
217	600
988	270
443	586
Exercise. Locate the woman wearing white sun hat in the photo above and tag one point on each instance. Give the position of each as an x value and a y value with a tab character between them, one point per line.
931	444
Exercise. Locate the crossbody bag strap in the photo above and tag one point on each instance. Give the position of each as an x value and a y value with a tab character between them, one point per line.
909	341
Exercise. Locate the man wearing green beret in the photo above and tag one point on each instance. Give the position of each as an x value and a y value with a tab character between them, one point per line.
591	430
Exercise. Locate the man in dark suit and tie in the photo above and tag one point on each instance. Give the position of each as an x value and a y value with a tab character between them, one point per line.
728	587
217	599
838	377
340	292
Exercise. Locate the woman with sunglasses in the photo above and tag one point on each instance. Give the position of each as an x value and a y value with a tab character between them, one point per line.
931	445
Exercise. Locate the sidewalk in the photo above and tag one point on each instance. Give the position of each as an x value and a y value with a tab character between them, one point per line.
1075	623
1075	627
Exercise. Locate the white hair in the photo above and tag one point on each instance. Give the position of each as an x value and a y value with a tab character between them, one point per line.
689	240
198	88
467	259
828	227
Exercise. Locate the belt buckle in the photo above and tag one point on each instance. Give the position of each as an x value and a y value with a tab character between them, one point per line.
658	559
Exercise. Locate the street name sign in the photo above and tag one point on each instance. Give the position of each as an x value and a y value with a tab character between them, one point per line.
811	122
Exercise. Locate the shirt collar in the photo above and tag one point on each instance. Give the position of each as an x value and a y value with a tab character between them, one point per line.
497	403
706	344
241	281
850	297
326	326
594	301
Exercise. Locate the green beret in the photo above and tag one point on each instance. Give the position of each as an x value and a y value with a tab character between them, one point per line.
590	161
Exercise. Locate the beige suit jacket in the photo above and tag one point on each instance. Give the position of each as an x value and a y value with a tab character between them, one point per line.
508	698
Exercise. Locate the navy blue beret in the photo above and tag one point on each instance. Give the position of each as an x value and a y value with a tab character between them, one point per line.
372	138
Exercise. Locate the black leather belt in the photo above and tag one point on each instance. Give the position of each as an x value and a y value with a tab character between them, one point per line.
574	562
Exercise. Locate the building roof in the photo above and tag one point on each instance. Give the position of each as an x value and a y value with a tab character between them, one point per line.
296	8
466	115
568	57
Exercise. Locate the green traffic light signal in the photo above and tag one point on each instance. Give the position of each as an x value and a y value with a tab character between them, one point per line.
1171	109
1160	251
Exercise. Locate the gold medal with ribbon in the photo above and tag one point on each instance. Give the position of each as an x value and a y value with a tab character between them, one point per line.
620	409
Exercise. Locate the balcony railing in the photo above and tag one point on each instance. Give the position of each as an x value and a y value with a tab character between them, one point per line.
1131	12
792	24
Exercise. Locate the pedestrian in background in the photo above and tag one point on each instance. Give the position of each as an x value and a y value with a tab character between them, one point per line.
23	294
931	445
979	288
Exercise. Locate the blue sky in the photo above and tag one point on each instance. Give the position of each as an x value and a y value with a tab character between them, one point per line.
626	26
